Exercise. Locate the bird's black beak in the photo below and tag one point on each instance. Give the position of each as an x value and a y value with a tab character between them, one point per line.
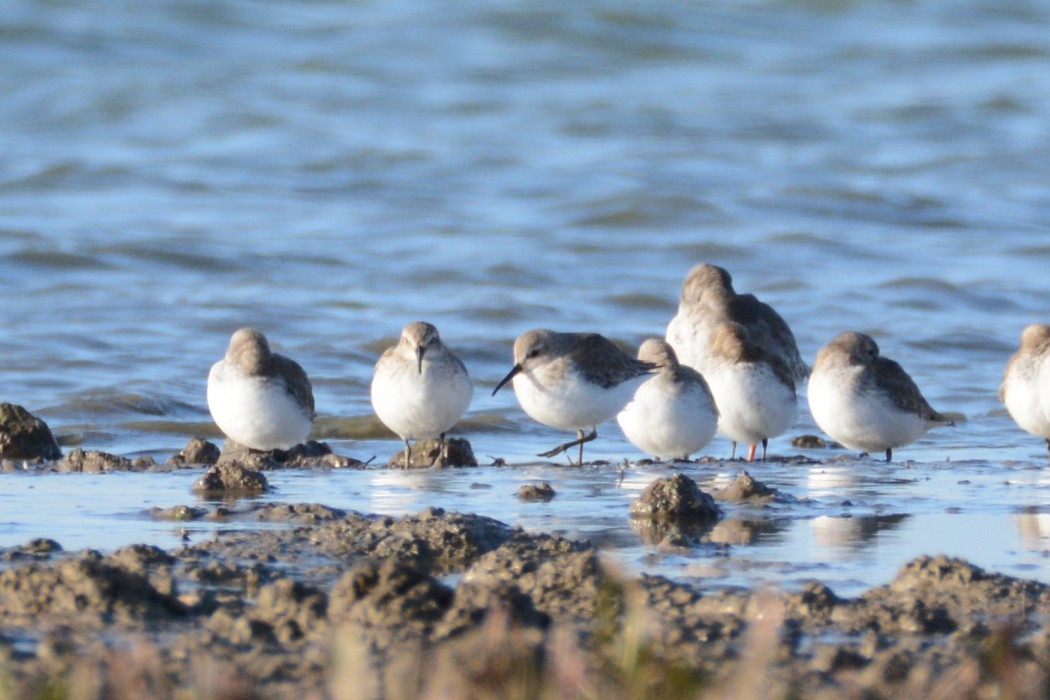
419	357
510	375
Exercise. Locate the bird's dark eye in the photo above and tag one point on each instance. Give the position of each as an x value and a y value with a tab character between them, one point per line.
533	353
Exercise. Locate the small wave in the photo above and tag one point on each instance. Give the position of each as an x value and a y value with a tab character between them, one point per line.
826	245
57	260
652	302
204	429
173	254
105	402
929	293
367	427
635	211
708	251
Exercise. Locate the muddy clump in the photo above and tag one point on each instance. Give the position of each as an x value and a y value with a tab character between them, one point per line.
390	601
434	538
40	549
315	455
327	602
456	452
673	513
96	462
23	436
308	455
809	442
944	594
675	498
197	451
88	589
542	492
744	488
561	577
230	479
177	513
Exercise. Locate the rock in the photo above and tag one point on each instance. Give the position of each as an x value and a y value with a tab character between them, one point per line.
95	462
427	453
744	488
675	498
24	436
197	451
230	478
543	492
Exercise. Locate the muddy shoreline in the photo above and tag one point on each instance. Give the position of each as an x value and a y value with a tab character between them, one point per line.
325	602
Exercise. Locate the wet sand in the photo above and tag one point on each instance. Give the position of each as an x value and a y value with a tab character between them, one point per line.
326	602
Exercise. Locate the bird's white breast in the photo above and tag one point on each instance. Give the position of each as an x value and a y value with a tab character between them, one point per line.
665	419
255	411
564	398
420	406
866	421
753	403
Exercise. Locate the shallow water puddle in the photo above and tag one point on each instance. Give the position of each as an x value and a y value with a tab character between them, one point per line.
850	524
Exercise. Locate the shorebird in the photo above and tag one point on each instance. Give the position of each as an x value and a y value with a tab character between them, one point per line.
1025	389
753	389
259	399
673	413
572	381
709	300
865	401
420	389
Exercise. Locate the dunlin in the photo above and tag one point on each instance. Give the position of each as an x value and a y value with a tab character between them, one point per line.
672	414
420	389
709	300
753	389
865	401
260	399
572	381
1026	372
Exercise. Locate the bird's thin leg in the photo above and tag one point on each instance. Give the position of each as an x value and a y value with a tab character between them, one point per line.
442	451
751	453
573	443
889	454
1048	444
765	444
733	456
233	450
408	455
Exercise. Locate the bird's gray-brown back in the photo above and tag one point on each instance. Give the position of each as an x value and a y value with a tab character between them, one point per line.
732	343
600	360
249	352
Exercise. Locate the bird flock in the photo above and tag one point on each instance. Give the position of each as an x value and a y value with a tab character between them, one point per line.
729	364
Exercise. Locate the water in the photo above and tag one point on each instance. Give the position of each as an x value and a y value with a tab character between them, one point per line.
328	172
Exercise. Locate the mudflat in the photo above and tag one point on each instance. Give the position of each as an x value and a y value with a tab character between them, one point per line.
336	604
